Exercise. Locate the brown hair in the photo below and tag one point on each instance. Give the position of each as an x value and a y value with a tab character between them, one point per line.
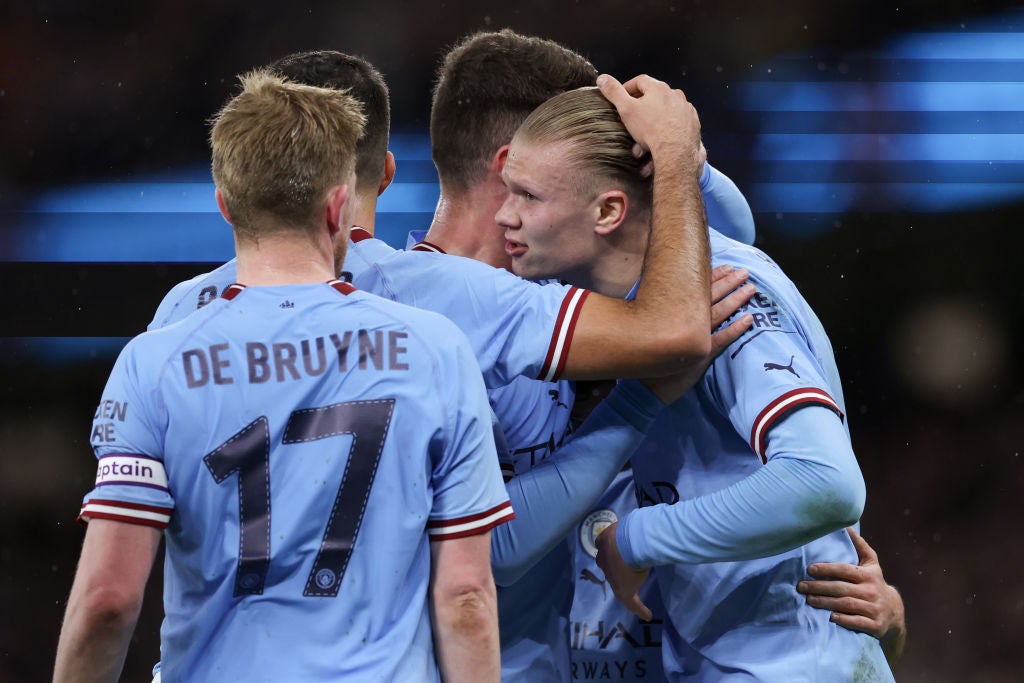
331	69
278	147
486	86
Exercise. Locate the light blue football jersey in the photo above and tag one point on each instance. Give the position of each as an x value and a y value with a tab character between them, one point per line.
515	327
608	641
533	611
710	504
300	445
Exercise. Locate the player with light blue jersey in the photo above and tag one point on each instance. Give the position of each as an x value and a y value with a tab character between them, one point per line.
755	463
287	585
608	642
534	630
707	521
514	324
321	461
534	417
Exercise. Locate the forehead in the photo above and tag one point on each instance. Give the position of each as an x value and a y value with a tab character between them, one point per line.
530	161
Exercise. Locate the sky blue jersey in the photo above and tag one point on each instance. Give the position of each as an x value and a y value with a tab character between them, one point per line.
191	295
610	643
551	483
300	445
516	327
732	479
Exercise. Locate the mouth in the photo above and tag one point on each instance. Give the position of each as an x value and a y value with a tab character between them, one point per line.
514	249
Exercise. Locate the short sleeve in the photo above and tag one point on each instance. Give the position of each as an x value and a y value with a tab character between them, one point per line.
131	480
514	327
768	372
469	494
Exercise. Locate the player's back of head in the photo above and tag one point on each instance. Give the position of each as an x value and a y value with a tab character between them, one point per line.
362	80
278	147
600	149
486	86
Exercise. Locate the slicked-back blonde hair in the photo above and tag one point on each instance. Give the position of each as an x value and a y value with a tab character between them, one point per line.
600	149
278	147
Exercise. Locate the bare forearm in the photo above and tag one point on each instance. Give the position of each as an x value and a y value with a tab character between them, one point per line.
676	287
93	643
466	637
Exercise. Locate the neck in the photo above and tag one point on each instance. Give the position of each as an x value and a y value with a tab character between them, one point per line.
284	258
365	212
619	262
464	223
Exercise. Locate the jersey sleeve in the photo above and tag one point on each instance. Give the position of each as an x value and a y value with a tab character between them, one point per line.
469	495
727	209
551	497
131	481
189	296
772	388
515	327
768	372
363	251
811	486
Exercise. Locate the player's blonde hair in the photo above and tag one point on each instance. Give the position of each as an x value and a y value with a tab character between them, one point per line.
600	149
278	147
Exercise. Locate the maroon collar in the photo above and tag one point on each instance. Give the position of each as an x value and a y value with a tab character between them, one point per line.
427	246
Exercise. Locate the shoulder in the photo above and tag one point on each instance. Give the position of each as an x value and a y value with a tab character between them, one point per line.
186	297
421	320
765	273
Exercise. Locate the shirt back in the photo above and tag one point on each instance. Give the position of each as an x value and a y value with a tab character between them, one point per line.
299	446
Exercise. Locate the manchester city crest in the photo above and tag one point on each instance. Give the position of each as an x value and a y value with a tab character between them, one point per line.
592	526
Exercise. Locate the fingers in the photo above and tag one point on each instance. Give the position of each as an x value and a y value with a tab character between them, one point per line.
637	607
647	170
613	91
721	272
638	85
840	571
830	588
723	307
851	606
722	338
855	622
865	552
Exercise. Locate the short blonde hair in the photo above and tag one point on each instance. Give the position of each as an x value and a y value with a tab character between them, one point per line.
599	147
278	147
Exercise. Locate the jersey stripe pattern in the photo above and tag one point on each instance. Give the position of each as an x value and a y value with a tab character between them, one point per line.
775	410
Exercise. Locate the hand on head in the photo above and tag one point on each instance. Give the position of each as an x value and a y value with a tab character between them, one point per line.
659	118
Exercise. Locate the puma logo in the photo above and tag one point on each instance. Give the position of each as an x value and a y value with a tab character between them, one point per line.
776	366
590	576
553	393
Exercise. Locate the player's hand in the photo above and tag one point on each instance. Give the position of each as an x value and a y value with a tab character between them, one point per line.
659	118
624	580
728	294
859	597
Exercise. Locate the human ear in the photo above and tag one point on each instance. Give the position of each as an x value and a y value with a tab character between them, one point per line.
612	207
222	206
336	197
390	166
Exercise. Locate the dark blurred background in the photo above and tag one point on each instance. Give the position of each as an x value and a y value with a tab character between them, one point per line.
881	148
